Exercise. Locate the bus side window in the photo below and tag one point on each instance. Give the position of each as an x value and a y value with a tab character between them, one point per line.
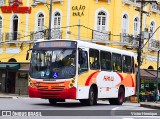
105	58
133	66
82	61
94	59
116	62
127	64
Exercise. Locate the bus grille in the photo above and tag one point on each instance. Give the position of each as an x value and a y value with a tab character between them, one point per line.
51	86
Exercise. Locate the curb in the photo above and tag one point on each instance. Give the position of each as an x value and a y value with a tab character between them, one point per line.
150	106
7	97
13	97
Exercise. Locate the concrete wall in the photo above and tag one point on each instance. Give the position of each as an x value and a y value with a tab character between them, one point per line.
21	84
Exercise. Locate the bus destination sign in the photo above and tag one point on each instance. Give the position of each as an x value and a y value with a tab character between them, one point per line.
56	44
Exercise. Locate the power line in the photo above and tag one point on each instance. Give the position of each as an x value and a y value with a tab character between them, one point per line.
150	37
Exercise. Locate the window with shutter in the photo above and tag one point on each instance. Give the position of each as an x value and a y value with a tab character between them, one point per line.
152	28
57	20
136	26
125	24
101	21
40	22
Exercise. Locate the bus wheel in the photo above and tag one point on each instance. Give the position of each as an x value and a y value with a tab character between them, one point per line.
119	100
52	101
121	95
92	100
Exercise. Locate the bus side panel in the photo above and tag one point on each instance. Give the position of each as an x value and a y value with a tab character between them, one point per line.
129	91
129	82
106	82
83	92
107	92
83	84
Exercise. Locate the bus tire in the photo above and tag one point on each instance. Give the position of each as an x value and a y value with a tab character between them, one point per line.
52	101
121	96
92	99
120	99
83	101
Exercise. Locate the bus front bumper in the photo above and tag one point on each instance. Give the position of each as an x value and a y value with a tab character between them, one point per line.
65	94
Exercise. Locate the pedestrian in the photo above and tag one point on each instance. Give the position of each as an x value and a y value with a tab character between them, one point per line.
157	97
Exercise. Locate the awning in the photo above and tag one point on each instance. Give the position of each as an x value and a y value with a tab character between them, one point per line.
24	67
14	66
145	73
154	72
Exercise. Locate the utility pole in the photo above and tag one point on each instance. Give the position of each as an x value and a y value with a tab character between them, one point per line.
50	20
157	68
79	38
139	51
49	6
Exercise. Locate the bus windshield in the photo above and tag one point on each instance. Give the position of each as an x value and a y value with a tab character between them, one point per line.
53	64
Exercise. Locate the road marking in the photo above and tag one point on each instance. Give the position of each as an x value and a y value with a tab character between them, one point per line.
115	108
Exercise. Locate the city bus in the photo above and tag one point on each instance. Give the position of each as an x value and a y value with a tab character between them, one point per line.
71	69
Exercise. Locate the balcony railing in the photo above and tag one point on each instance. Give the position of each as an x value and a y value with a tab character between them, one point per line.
137	4
125	38
55	34
129	2
12	36
45	1
1	37
11	2
130	40
101	37
153	44
154	8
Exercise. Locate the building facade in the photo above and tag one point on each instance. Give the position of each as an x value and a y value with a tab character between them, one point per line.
113	23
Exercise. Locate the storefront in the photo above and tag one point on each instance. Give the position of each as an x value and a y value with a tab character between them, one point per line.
148	83
14	78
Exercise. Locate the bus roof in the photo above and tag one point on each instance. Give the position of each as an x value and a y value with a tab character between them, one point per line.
94	46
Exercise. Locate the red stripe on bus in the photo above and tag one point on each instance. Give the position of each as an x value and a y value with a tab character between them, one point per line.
120	76
132	82
89	78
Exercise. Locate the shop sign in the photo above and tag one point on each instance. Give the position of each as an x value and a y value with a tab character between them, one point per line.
15	8
142	86
147	84
78	10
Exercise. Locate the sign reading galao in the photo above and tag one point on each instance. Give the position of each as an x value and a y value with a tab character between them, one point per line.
14	6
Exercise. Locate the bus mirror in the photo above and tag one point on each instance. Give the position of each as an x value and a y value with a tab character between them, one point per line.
27	56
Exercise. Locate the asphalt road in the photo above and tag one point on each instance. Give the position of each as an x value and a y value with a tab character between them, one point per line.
71	107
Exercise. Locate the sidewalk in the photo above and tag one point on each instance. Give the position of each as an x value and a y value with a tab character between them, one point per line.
152	105
12	96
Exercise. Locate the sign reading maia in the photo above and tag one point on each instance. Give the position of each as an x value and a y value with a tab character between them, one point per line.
14	6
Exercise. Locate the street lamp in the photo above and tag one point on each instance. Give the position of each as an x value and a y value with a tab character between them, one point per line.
49	6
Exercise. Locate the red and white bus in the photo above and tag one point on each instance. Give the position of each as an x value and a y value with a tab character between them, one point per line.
72	69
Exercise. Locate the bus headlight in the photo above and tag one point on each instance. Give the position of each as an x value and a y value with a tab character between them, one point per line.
30	83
